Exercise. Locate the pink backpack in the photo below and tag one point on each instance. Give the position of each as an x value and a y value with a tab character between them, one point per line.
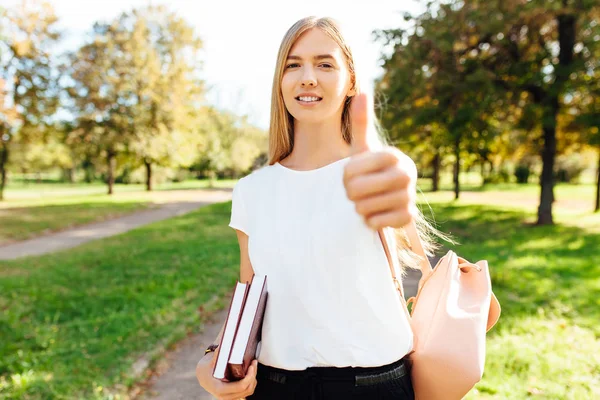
451	313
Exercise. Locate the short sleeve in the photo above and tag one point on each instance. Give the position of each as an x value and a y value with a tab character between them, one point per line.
239	216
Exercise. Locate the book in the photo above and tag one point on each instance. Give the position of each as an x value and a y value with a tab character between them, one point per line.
242	333
248	335
221	370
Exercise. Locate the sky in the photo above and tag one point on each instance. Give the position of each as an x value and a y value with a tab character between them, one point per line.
241	38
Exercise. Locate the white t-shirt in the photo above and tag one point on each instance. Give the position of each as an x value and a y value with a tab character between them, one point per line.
332	301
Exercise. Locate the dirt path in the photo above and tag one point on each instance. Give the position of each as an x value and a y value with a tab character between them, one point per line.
172	204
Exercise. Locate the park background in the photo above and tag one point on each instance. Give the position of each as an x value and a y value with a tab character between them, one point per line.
496	101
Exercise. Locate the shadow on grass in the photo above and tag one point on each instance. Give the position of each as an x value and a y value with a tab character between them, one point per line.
553	268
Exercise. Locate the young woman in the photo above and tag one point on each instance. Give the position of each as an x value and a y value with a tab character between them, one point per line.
334	326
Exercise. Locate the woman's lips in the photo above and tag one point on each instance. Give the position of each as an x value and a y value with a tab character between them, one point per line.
308	100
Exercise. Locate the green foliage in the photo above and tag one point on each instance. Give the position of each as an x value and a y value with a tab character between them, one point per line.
500	176
522	173
569	168
497	80
161	67
28	78
231	146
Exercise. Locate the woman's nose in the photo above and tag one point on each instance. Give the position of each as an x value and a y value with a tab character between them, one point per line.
308	78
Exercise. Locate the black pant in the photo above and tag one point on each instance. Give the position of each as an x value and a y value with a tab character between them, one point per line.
390	381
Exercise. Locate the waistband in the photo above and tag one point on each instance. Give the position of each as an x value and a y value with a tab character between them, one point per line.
359	376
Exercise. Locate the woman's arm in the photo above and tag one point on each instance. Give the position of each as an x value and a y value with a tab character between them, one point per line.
246	386
246	270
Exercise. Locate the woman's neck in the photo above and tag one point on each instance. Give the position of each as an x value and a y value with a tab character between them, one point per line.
317	145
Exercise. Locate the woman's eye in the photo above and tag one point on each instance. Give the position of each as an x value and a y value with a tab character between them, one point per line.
294	65
326	65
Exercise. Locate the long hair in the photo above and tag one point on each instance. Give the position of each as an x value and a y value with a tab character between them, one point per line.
281	129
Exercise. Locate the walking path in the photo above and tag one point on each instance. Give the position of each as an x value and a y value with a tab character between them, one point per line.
174	205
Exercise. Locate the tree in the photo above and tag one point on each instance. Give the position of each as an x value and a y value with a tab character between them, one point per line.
161	52
28	79
431	80
586	107
530	48
230	145
532	51
100	100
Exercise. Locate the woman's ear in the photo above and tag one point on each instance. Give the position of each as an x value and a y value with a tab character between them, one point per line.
351	92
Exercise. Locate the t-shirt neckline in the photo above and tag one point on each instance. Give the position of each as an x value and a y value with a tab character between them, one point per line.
311	170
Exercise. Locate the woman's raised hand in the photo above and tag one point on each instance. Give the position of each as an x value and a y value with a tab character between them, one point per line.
380	182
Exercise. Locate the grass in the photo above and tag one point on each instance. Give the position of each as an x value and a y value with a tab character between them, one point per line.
35	209
73	323
547	279
17	191
21	223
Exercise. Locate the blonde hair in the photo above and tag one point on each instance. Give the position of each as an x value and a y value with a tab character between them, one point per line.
281	129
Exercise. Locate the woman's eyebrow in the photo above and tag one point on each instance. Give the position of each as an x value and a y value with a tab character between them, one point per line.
317	57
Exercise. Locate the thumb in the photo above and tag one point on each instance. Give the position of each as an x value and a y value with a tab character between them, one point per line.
213	361
359	117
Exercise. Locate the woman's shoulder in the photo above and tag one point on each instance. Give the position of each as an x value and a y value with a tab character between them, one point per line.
259	176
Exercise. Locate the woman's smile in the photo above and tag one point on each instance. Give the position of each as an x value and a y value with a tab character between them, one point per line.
308	99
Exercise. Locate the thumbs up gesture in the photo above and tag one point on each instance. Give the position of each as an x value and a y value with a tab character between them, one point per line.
380	182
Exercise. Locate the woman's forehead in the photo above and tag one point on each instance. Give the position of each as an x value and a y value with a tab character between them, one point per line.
315	42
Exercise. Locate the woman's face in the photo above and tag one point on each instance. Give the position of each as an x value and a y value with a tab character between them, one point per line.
316	79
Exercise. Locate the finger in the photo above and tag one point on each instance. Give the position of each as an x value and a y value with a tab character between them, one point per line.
243	384
395	219
213	360
251	389
359	121
389	201
369	162
364	186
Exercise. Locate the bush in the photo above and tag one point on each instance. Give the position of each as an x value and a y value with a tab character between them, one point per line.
568	169
502	176
522	173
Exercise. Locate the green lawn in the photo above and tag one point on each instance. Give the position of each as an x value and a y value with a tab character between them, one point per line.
20	192
547	279
74	322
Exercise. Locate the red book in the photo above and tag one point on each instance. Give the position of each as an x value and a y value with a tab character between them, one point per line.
248	334
221	370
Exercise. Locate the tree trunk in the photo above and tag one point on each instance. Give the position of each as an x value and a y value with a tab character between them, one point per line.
69	175
547	178
482	172
3	162
148	175
597	208
456	167
566	41
111	171
437	161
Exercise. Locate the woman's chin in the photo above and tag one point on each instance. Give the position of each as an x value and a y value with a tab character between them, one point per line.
311	115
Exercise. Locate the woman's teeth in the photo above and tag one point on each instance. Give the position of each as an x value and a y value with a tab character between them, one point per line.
309	98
